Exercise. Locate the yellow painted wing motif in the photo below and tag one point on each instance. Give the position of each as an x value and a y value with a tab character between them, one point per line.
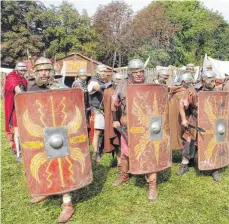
32	128
208	110
70	170
75	124
137	111
210	147
140	147
77	154
37	161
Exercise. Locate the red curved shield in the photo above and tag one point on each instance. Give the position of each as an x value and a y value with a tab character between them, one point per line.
213	116
54	141
148	128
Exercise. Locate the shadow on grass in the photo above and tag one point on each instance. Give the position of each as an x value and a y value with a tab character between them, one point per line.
99	178
162	176
176	156
100	172
208	172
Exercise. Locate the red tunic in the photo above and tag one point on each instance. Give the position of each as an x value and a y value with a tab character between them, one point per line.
12	80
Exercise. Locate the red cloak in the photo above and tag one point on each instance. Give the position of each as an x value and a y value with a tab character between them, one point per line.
12	80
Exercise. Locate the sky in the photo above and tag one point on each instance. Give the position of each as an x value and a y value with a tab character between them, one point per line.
91	5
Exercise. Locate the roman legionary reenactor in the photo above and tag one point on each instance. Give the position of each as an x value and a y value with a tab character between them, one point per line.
53	133
147	151
96	87
163	77
15	82
213	117
190	68
226	83
182	112
82	82
111	135
218	82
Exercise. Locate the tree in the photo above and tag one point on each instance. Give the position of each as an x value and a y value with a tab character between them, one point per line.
179	33
202	31
112	23
152	34
66	31
20	33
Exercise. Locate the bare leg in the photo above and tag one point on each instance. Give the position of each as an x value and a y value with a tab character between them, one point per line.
118	155
17	143
152	180
124	177
95	141
185	159
95	144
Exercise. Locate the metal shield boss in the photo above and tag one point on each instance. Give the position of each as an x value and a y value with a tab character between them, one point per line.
213	116
54	141
148	128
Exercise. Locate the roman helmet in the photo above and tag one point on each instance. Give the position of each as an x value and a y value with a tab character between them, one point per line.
135	65
82	74
43	63
163	76
21	66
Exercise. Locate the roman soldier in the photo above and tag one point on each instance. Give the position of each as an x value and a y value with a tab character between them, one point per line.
163	77
182	111
15	82
135	76
96	87
44	76
208	80
226	83
190	68
82	83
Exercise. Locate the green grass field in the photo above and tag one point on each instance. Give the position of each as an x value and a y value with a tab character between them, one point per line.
190	199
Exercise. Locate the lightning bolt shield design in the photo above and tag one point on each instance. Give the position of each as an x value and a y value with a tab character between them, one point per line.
148	129
54	141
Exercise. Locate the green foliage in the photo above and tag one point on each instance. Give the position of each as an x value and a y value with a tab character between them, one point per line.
185	32
29	26
67	31
60	30
112	23
202	32
20	23
157	56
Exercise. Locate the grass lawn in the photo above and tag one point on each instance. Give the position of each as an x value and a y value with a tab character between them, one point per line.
191	199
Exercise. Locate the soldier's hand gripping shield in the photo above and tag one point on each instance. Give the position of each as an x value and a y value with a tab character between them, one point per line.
148	128
213	116
54	141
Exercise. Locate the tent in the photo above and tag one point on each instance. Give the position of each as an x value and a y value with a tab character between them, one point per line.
6	70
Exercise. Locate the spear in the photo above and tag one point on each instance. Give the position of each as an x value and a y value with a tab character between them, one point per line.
28	56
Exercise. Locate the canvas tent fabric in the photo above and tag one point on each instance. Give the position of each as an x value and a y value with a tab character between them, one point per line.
219	67
6	70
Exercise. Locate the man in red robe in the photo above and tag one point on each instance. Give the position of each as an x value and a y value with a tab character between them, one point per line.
15	83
